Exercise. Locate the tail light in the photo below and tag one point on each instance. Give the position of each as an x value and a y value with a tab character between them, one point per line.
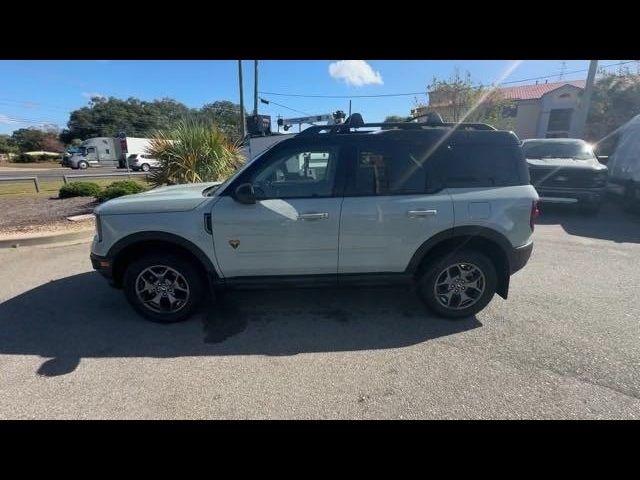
535	213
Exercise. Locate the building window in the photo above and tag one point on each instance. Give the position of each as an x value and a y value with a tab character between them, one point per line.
559	120
510	111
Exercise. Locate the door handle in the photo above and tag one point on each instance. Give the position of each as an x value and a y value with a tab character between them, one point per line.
313	216
422	213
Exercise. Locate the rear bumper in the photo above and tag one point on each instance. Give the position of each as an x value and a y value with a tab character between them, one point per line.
519	256
571	195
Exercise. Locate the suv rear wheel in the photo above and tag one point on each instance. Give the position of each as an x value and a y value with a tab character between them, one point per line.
163	288
458	285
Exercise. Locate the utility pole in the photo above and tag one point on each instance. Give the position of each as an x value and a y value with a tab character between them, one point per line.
349	107
255	87
583	110
244	124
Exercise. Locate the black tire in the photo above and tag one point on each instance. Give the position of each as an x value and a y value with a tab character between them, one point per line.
144	167
82	165
427	283
184	267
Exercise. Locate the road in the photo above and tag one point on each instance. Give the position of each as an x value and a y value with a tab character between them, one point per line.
564	345
49	173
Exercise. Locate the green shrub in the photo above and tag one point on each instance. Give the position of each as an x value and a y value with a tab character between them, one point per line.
80	189
24	158
118	189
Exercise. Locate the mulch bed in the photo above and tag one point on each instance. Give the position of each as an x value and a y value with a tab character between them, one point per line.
37	211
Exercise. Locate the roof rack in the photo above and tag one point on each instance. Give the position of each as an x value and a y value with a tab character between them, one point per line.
355	121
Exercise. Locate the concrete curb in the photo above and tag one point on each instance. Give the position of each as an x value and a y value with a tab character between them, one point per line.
46	239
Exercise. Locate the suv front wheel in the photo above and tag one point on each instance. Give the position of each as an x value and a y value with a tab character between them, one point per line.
458	285
163	288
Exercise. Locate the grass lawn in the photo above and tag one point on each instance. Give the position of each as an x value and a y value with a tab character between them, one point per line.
49	188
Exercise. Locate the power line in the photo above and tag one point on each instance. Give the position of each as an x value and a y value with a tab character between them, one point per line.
424	93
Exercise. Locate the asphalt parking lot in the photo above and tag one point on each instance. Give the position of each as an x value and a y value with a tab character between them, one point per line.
564	345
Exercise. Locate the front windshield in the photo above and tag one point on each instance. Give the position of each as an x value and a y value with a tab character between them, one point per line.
542	150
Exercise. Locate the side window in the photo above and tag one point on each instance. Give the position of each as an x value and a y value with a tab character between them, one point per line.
91	150
393	170
297	174
106	150
481	166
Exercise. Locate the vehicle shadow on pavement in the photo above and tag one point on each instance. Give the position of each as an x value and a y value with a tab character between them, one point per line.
611	223
81	317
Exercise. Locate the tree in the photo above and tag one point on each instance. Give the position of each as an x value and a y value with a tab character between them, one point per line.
108	117
50	143
460	100
615	101
34	139
225	115
7	144
396	119
27	139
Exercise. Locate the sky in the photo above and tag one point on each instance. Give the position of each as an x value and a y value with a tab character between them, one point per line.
33	93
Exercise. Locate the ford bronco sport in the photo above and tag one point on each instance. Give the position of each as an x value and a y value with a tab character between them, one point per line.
445	207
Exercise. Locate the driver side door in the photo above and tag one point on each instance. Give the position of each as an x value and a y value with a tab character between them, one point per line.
292	229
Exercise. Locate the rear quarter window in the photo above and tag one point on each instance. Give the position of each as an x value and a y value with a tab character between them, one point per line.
484	166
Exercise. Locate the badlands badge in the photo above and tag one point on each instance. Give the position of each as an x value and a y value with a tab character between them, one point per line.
234	243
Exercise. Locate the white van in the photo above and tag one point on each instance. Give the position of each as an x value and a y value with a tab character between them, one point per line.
624	165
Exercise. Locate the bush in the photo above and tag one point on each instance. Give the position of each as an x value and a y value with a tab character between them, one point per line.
80	189
193	151
24	158
118	189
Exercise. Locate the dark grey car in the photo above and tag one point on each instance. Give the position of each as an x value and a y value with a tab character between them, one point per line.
566	171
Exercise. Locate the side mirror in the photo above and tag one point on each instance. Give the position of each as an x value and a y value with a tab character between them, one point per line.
603	159
245	194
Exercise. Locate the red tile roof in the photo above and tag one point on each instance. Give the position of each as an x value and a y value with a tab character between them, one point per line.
531	92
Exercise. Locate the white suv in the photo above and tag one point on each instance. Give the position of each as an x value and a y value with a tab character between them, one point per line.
448	208
141	161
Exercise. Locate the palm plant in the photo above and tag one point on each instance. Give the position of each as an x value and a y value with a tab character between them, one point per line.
193	151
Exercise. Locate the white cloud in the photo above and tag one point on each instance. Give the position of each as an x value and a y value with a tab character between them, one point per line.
5	120
90	95
355	72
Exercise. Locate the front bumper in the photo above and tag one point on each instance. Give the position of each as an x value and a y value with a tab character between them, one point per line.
519	256
102	265
571	195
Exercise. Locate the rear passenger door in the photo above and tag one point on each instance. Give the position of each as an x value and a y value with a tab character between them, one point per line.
489	187
393	202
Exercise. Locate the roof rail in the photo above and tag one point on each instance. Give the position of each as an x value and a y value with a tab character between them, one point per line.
344	128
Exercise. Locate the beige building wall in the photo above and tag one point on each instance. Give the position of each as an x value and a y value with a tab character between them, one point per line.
526	121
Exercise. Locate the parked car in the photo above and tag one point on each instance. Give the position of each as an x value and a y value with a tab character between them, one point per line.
624	165
334	205
566	171
141	161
